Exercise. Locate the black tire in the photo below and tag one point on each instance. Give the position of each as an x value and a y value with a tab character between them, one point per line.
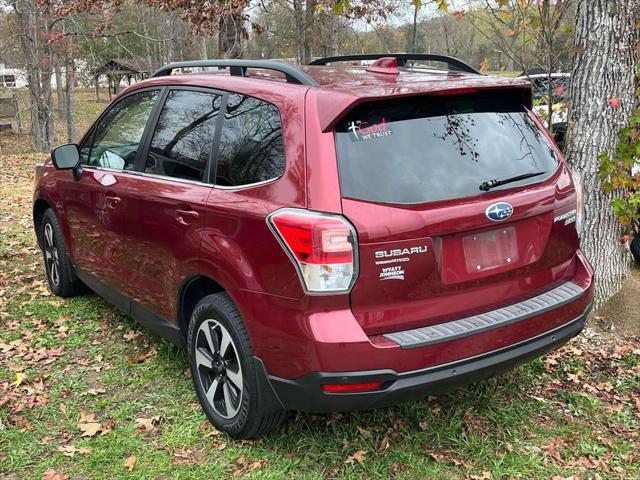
635	248
61	277
243	412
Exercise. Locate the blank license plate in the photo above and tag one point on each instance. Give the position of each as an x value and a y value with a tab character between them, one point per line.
487	250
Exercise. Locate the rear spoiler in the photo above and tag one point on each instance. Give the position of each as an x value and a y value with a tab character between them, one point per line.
332	106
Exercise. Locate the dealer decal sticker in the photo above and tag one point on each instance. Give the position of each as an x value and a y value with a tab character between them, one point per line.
392	273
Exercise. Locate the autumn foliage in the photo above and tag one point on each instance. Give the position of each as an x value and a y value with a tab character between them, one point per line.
622	172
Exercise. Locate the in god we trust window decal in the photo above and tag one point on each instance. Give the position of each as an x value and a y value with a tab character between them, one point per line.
362	130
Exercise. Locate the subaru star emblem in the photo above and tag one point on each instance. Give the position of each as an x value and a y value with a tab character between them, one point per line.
498	212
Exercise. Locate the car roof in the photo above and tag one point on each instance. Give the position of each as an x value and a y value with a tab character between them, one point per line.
349	80
341	87
358	81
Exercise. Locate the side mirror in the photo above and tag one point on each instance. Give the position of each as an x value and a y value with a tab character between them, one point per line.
66	157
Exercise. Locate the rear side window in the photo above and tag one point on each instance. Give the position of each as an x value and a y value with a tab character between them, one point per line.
433	148
182	141
251	148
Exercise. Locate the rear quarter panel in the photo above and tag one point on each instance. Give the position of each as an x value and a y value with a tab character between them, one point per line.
238	250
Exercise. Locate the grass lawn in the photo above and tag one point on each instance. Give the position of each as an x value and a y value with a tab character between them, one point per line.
85	393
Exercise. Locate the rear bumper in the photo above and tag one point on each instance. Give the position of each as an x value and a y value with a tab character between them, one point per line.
295	337
306	394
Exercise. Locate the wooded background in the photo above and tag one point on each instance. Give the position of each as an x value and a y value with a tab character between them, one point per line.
595	40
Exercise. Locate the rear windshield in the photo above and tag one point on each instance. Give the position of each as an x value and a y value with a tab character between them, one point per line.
432	148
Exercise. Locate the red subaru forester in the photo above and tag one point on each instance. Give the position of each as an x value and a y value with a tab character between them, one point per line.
323	238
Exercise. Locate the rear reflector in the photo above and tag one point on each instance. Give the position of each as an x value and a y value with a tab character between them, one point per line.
352	387
321	246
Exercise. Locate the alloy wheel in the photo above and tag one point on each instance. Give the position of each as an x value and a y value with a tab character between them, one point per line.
218	368
51	255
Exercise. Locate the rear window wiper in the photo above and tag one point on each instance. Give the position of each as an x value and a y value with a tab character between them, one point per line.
489	184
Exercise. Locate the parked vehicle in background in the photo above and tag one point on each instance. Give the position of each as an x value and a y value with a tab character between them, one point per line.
323	238
560	87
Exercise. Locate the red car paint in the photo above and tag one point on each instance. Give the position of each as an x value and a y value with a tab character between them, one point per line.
148	237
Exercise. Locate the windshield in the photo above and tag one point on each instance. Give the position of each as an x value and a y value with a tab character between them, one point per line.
432	148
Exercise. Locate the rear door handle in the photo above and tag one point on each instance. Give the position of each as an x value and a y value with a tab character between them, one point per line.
186	217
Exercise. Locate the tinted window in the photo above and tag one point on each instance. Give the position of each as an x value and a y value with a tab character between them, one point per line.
184	134
438	147
251	148
116	138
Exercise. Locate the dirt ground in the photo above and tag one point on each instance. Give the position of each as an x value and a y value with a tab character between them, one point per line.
620	315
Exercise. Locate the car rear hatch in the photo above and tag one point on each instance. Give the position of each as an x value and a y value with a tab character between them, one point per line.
433	245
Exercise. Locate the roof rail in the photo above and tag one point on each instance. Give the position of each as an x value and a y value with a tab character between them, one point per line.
238	67
402	59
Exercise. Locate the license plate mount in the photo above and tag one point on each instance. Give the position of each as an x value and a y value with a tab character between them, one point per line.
492	249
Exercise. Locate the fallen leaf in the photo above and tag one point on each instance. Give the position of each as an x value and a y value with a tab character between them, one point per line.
71	450
359	457
130	462
89	429
19	379
148	424
143	357
483	476
87	417
51	474
131	335
94	391
438	457
107	427
614	102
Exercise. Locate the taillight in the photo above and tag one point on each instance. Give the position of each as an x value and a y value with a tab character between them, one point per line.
322	247
577	184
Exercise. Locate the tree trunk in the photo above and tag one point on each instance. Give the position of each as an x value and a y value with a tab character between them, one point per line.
59	86
36	55
414	31
605	65
204	53
70	94
299	19
309	19
334	36
230	37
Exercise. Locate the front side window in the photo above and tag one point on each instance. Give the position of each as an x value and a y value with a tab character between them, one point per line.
433	148
184	135
251	148
115	140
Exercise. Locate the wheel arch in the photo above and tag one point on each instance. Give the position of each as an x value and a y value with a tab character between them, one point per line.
193	289
39	208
